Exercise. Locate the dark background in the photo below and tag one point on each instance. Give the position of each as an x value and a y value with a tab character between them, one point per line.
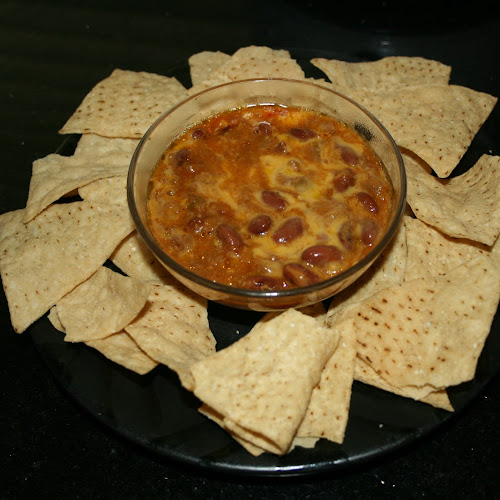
51	54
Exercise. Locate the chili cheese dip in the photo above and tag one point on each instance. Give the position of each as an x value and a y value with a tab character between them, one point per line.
269	197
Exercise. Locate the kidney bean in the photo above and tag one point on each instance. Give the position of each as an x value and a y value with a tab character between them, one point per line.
274	200
281	148
368	202
229	237
321	254
344	180
196	224
181	156
299	275
290	230
346	235
198	134
263	283
303	134
264	128
369	232
259	224
349	156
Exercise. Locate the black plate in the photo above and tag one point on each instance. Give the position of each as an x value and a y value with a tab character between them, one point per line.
157	413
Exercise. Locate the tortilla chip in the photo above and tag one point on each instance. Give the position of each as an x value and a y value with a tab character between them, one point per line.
364	373
328	409
125	104
389	269
202	64
98	145
436	122
112	190
102	305
10	223
386	74
431	252
55	175
135	259
467	206
252	62
262	383
428	331
122	350
46	258
173	329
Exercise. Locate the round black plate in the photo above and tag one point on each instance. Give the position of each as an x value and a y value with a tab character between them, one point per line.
157	413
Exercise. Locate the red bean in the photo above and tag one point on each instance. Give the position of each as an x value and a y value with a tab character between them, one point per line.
368	202
344	180
182	156
196	224
321	254
198	134
290	230
299	275
303	134
259	224
229	237
349	156
369	232
263	283
264	128
274	200
346	235
281	148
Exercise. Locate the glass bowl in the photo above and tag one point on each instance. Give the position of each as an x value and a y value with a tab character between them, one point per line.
244	93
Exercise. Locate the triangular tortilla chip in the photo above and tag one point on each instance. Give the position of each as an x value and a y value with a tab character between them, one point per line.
173	329
386	74
122	350
328	410
55	175
436	122
428	331
112	190
388	269
363	372
125	104
262	383
203	64
135	259
46	258
119	348
98	145
467	206
431	252
102	305
252	62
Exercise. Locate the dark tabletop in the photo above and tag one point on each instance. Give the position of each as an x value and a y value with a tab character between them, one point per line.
51	54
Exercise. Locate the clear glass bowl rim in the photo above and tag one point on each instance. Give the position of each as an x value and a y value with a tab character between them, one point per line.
264	294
